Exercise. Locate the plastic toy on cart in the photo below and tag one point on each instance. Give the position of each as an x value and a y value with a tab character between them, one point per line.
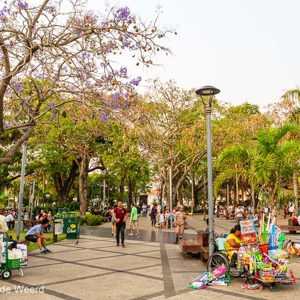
267	262
11	259
262	258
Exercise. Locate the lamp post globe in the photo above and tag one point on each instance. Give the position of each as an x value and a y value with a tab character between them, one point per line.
207	94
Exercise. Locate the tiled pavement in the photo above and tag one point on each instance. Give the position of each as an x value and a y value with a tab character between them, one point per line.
96	269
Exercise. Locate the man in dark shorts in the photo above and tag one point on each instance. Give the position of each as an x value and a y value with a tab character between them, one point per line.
120	215
35	234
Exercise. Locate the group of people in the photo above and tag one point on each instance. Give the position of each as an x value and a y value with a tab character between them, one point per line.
120	215
163	219
34	234
10	217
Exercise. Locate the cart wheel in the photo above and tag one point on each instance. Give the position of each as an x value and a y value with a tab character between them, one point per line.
249	280
6	274
216	260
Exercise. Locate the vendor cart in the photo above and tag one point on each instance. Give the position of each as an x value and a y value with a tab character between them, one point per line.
7	264
274	283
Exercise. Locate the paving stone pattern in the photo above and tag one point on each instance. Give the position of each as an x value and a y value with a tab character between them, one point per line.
151	266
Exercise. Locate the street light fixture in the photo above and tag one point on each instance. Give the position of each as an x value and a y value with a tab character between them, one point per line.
21	193
206	94
170	159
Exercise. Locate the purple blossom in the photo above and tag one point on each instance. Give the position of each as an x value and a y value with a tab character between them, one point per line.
107	49
53	116
22	5
135	81
127	95
18	87
52	106
103	118
126	104
7	125
103	65
123	13
116	96
85	55
114	106
5	10
123	71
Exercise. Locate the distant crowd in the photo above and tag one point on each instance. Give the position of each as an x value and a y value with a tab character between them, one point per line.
12	216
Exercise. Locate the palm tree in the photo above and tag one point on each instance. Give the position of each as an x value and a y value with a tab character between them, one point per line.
269	164
275	163
236	162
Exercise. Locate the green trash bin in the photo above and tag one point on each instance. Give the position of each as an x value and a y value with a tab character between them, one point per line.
71	227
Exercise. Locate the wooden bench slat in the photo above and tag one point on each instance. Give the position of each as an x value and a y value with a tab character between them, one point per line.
290	228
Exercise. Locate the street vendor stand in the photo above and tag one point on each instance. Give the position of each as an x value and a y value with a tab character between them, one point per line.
261	259
263	255
11	259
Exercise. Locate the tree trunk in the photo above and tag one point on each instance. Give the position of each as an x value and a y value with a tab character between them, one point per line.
236	189
83	184
295	185
253	196
63	183
193	194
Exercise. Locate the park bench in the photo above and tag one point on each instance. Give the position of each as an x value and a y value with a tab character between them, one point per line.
291	228
198	245
30	223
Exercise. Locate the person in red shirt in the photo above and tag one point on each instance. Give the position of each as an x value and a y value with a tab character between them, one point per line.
120	215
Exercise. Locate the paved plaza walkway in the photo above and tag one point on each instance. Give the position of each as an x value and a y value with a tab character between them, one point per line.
151	266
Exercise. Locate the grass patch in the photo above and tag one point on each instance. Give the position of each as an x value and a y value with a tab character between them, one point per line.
34	246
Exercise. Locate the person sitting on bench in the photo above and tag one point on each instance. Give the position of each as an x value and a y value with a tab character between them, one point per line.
35	234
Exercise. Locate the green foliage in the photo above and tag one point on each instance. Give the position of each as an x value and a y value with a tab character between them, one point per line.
4	200
82	220
93	220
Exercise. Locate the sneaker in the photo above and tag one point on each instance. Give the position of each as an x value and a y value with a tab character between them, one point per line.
118	245
43	251
130	233
112	234
123	245
47	250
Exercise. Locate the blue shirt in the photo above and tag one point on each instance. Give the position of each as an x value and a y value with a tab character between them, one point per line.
35	229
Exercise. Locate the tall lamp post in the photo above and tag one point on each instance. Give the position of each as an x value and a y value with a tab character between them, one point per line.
21	193
206	94
170	159
104	172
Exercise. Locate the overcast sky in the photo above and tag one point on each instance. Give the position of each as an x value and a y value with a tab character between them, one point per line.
249	49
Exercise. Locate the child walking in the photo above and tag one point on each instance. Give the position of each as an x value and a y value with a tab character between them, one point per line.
161	220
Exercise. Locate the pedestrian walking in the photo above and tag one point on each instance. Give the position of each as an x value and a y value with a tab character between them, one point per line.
144	209
161	219
291	210
134	220
179	221
239	213
153	214
120	215
113	222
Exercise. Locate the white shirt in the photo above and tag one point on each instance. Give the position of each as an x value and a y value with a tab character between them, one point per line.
291	209
161	218
239	212
9	218
3	224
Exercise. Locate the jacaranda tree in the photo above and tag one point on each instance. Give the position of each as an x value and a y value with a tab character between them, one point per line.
52	52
